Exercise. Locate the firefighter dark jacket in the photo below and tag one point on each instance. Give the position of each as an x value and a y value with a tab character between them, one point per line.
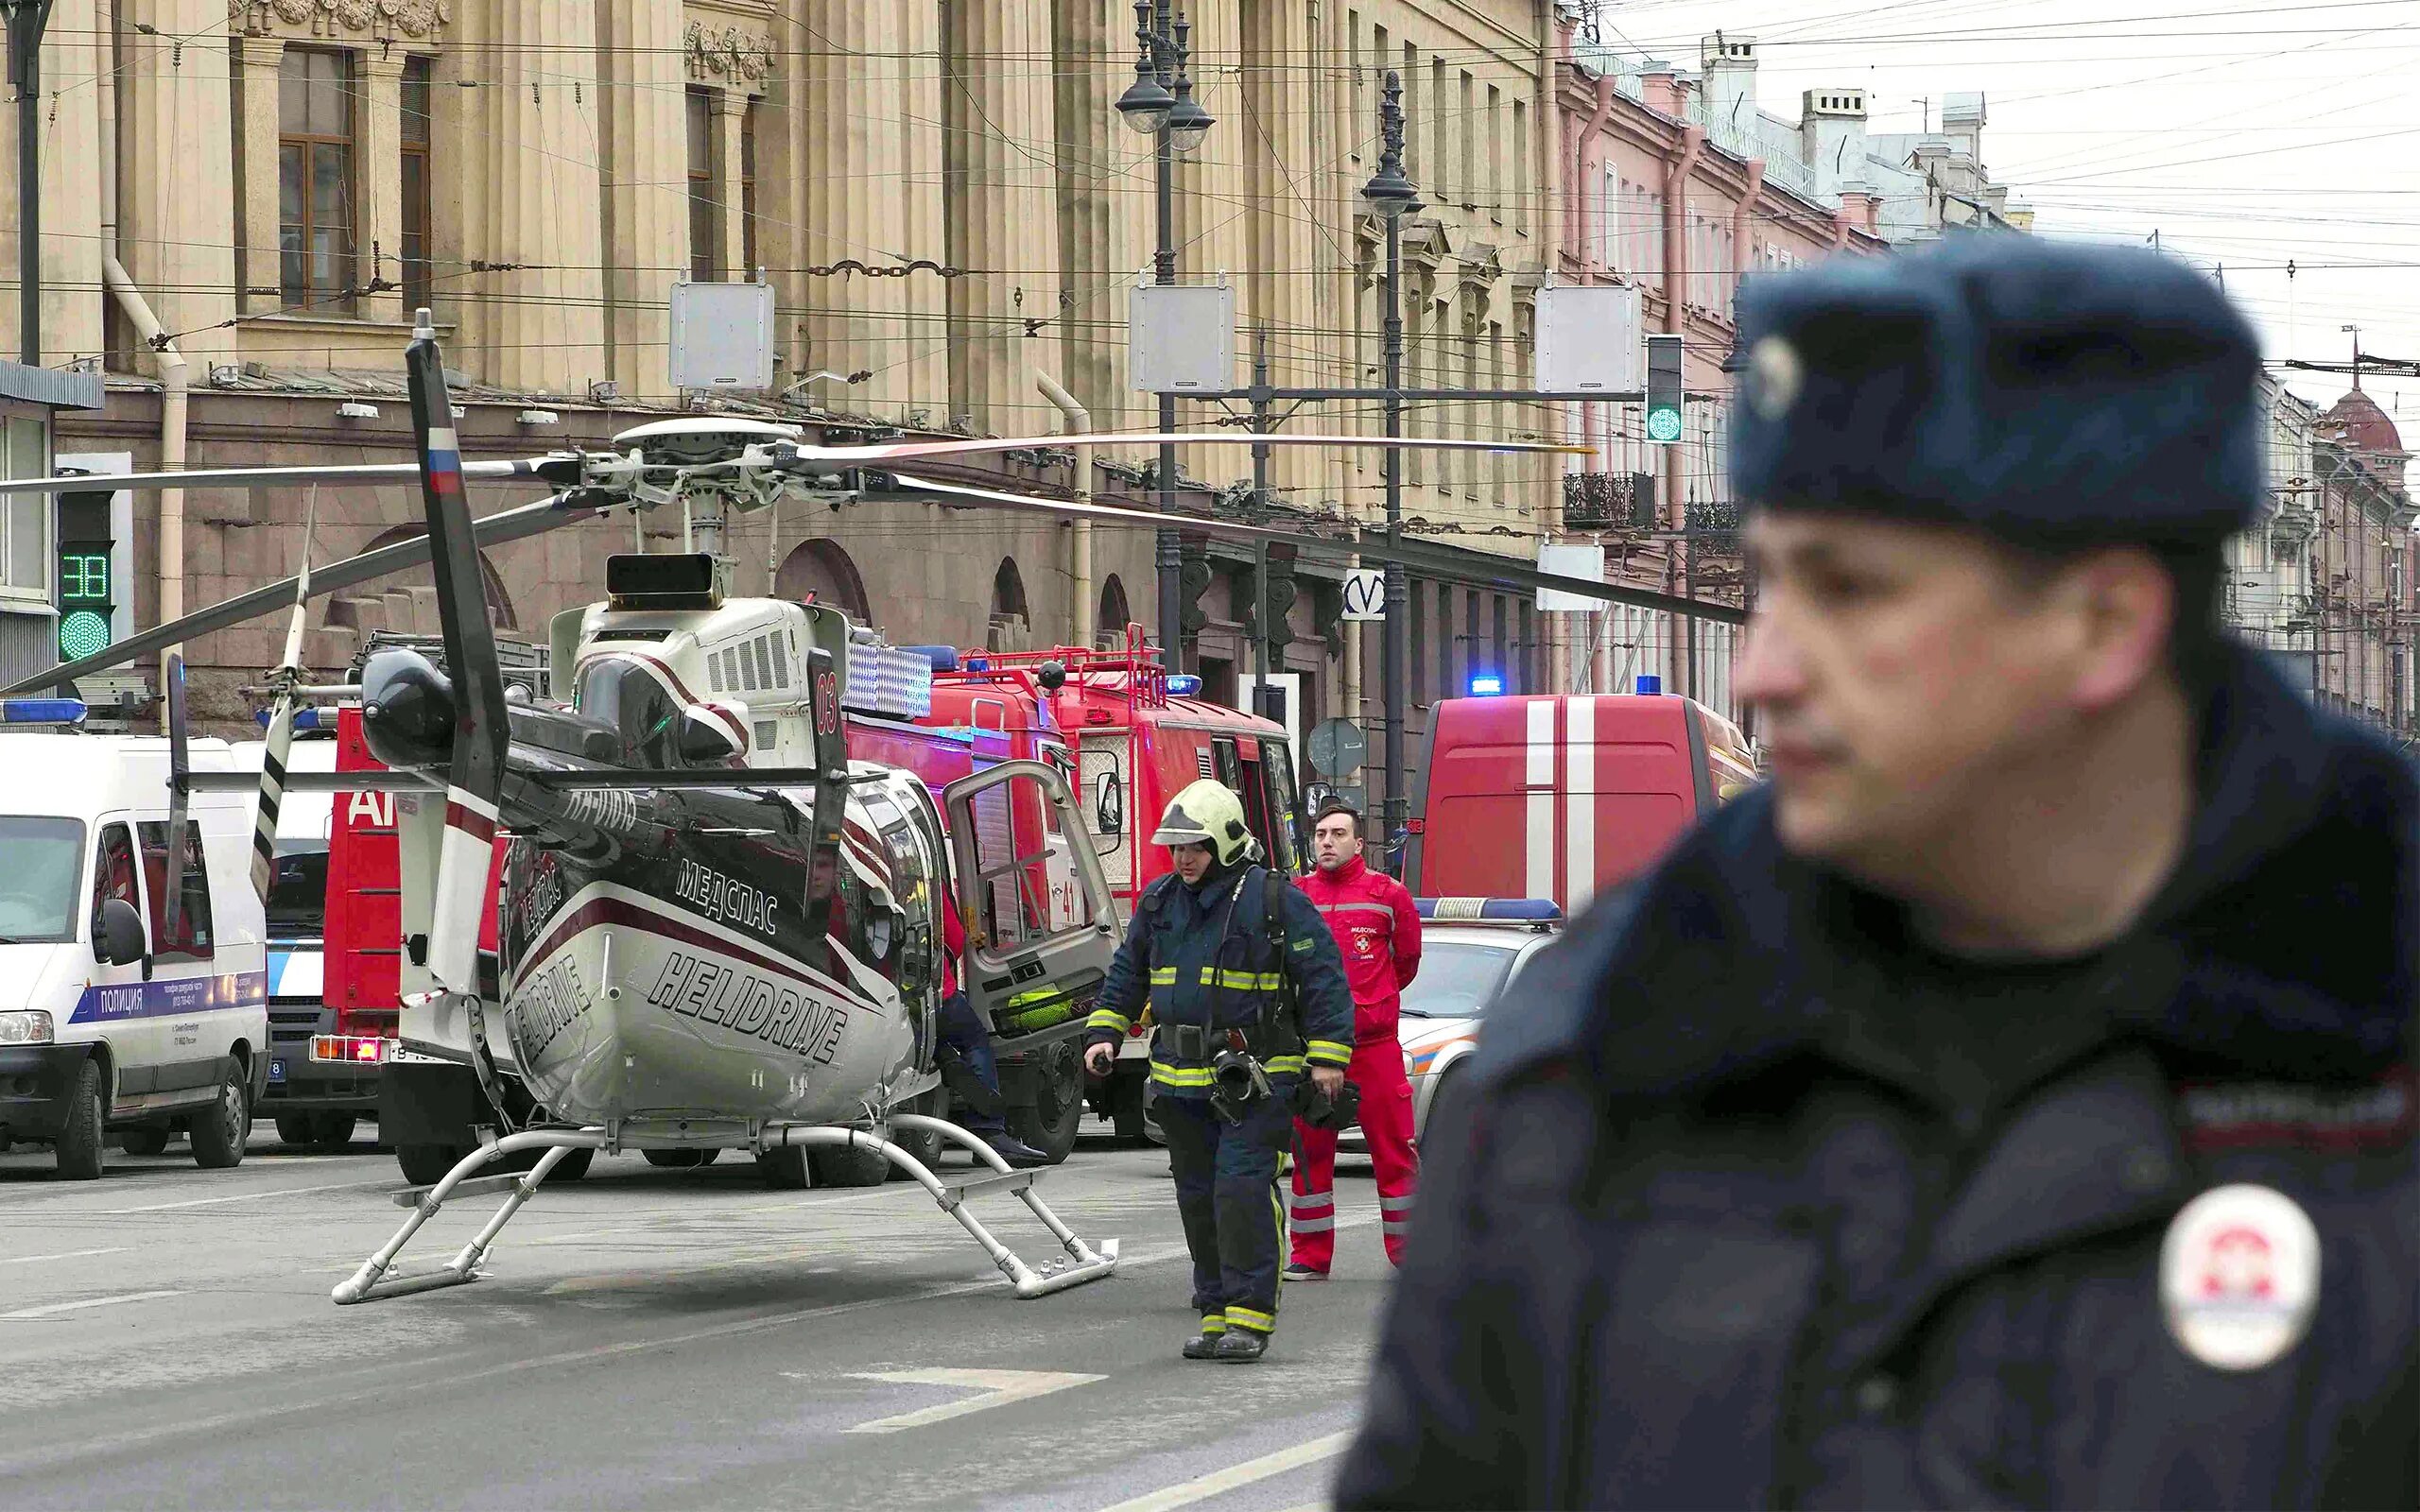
1684	1245
1205	958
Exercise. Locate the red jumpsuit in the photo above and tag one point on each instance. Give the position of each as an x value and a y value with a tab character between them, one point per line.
1378	931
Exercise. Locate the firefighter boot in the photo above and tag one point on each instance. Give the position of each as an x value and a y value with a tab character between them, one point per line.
1206	1347
1239	1345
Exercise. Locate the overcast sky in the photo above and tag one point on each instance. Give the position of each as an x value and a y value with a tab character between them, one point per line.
2247	136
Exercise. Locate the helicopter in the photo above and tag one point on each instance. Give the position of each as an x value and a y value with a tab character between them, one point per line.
716	929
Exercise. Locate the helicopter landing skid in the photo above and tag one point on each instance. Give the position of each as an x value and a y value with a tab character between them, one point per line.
1079	1263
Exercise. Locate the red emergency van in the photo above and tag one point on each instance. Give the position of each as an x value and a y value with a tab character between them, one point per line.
1563	795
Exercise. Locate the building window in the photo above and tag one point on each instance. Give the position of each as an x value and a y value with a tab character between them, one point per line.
314	178
415	235
704	244
24	518
748	191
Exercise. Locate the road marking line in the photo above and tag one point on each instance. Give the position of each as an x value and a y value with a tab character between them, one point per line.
69	1254
998	1389
55	1308
240	1196
1218	1483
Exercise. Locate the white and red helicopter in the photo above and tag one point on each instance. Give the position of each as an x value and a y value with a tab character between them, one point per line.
717	930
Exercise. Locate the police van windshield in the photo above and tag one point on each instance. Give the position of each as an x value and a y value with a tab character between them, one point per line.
297	896
1456	980
38	887
626	697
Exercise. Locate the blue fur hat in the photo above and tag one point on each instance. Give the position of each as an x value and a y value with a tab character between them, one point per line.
2047	393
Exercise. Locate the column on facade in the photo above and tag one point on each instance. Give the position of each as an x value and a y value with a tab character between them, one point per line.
856	181
380	147
1088	59
642	111
996	104
545	201
731	153
257	264
1273	141
72	58
174	209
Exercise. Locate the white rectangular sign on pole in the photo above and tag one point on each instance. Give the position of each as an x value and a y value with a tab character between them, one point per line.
722	337
1365	594
1181	336
1571	562
1588	337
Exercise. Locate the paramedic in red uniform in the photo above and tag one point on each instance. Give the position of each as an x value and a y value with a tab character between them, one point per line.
1378	931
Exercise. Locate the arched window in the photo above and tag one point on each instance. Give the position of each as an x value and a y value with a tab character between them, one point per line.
823	569
500	613
1109	628
1011	622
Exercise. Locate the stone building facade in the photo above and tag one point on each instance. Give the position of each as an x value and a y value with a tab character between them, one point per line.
246	199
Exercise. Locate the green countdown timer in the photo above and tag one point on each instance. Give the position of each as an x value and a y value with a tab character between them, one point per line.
85	575
82	633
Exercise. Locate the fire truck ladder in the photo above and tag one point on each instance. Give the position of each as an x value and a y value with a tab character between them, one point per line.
1077	1263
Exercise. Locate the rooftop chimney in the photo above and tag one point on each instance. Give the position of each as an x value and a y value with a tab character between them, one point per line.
1730	64
1962	120
1831	132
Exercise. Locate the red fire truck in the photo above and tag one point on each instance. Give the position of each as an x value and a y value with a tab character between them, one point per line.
1563	795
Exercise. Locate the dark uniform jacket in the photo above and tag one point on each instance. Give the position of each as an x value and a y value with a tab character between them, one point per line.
1753	1204
1207	959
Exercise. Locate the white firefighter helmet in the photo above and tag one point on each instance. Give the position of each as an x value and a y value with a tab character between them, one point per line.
1206	813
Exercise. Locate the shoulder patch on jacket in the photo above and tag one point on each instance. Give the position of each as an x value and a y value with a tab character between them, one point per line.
2235	1115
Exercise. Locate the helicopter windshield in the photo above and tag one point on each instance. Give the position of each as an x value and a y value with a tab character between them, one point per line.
627	698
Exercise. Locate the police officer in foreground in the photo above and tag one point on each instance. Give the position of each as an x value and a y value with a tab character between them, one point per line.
2008	1104
1247	992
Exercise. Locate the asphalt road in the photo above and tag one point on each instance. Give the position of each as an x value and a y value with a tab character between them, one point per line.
644	1338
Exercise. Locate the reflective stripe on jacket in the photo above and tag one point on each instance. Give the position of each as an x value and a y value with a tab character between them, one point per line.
1207	959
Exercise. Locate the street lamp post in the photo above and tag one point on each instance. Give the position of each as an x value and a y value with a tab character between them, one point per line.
1160	103
1392	195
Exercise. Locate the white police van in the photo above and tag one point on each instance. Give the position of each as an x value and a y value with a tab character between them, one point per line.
108	1023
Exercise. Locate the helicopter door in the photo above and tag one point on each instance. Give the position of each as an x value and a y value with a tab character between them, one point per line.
1027	972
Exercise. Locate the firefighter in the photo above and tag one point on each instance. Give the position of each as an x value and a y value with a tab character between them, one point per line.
2010	1103
969	1067
1247	992
1377	931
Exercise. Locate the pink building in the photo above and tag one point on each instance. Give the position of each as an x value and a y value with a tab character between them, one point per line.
1678	184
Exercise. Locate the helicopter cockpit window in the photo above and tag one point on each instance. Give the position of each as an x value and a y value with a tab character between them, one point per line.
638	708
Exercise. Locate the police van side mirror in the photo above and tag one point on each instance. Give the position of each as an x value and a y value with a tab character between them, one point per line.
117	933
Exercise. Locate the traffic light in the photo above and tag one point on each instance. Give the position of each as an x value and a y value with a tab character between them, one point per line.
1663	388
86	597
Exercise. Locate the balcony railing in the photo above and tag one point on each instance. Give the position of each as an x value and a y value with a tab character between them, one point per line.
1609	501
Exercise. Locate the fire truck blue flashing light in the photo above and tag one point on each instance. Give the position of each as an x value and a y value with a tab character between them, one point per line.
1521	910
1649	682
944	657
1185	685
304	719
41	710
1486	685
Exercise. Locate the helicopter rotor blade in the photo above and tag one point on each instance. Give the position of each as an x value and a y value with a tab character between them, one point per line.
563	468
495	529
278	739
482	732
884	451
1502	572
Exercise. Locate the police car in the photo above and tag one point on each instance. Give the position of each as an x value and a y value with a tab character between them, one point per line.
109	1021
1470	950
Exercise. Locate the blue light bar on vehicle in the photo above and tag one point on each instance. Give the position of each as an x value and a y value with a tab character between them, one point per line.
1486	685
41	710
1184	685
944	657
304	719
1522	910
